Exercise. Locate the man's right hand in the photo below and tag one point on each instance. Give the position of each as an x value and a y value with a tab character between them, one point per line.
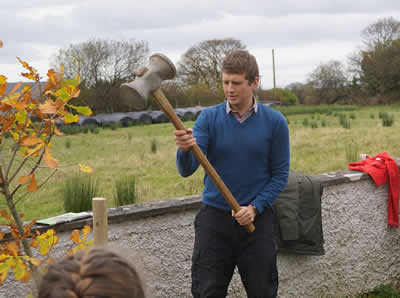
184	139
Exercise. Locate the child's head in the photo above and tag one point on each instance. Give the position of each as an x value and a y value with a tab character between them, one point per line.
98	272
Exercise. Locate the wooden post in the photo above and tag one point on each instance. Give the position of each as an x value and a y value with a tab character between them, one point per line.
100	221
273	69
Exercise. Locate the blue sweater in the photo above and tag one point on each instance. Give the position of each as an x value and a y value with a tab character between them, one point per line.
252	158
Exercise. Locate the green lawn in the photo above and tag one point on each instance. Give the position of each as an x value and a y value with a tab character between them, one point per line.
128	151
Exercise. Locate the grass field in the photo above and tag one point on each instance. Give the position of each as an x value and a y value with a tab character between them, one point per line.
148	152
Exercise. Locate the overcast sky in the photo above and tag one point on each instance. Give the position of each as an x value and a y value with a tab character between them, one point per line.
303	33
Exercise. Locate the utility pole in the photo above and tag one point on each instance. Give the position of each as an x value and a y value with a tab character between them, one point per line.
273	69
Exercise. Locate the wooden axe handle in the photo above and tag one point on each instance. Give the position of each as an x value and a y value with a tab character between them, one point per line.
170	112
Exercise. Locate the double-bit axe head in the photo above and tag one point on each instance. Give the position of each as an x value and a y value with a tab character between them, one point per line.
136	93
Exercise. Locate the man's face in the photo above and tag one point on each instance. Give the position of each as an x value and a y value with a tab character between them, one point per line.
237	90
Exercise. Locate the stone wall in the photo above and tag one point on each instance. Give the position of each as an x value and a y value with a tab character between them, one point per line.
362	251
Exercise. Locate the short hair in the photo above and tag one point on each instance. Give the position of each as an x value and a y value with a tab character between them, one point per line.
98	272
241	62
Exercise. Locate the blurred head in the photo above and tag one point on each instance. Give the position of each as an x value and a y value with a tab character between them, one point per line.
98	273
241	62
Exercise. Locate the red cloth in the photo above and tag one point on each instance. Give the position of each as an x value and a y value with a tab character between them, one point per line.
382	167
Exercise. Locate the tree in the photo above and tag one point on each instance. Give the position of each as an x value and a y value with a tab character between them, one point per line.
201	64
298	89
25	149
103	65
329	81
380	71
380	33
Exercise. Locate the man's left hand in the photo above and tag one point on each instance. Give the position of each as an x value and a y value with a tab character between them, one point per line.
245	215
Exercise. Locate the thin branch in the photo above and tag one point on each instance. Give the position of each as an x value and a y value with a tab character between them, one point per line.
18	143
39	186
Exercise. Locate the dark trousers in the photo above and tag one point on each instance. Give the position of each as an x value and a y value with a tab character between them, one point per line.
221	244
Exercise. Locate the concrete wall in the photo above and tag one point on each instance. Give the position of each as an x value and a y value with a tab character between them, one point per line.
361	250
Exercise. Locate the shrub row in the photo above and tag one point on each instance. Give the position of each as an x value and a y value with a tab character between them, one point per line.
78	192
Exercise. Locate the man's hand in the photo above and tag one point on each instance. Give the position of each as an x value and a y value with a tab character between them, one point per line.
245	215
184	139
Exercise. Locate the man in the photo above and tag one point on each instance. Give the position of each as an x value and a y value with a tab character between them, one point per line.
248	145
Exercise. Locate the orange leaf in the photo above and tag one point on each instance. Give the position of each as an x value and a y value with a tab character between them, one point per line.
1	44
75	236
30	141
34	151
4	214
58	132
35	261
33	74
1	236
16	87
34	243
49	160
32	187
13	248
3	85
85	230
24	179
48	107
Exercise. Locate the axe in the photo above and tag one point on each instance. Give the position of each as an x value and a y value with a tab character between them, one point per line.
148	81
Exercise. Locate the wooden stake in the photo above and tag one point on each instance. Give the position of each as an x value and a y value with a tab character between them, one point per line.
100	221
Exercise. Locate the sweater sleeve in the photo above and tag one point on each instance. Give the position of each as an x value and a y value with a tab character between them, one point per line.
279	166
186	162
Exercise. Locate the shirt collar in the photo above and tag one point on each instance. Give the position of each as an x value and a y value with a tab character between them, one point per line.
254	106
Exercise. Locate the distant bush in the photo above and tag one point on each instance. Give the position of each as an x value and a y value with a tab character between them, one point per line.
125	191
352	154
387	120
67	143
153	145
78	193
314	124
70	129
305	122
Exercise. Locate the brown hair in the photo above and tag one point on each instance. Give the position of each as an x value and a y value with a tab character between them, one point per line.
96	273
241	62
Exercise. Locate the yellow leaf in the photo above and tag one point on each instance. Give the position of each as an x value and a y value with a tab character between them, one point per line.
1	236
20	270
24	179
32	187
49	160
86	111
3	276
85	168
85	231
44	247
69	118
75	236
30	141
3	79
